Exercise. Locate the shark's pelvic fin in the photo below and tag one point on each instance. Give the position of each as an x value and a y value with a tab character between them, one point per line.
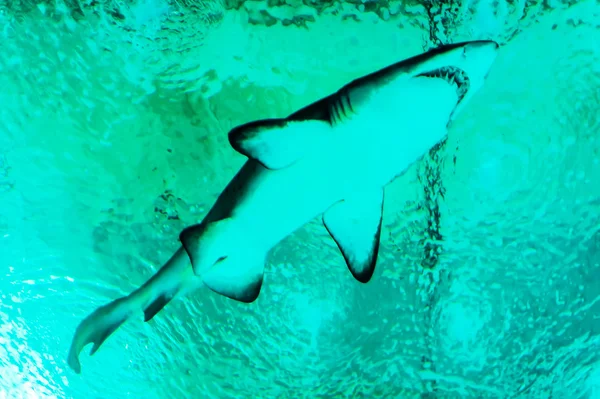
278	143
235	271
207	243
355	225
237	276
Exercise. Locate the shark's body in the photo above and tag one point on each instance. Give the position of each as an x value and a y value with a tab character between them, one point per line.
333	157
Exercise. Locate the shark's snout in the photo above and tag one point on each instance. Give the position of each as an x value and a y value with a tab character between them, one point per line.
475	60
479	57
463	65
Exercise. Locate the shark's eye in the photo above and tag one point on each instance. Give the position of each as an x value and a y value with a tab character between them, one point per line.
221	259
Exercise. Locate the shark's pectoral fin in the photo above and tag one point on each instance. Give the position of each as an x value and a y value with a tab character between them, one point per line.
277	143
355	225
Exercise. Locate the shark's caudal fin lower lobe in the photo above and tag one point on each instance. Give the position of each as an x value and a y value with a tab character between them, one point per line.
228	263
175	276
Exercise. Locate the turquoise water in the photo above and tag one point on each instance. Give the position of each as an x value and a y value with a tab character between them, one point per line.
113	137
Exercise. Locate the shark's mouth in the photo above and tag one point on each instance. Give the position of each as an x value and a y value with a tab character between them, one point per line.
454	76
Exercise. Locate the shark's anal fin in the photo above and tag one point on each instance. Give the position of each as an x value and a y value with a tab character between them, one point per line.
228	262
355	225
278	143
156	306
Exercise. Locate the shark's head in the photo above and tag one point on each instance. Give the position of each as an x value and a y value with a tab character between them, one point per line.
464	65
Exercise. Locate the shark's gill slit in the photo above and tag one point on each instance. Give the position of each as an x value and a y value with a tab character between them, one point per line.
455	76
341	108
349	103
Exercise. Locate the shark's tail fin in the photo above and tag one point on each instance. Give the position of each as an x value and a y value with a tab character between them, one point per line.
97	327
175	276
229	263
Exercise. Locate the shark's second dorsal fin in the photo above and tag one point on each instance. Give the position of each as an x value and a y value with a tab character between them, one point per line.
355	225
278	143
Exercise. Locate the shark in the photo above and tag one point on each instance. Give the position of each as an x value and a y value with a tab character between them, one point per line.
332	158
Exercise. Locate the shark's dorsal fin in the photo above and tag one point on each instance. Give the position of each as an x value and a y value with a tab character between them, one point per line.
278	143
355	225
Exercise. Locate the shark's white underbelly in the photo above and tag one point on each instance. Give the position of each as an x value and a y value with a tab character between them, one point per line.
364	153
279	202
